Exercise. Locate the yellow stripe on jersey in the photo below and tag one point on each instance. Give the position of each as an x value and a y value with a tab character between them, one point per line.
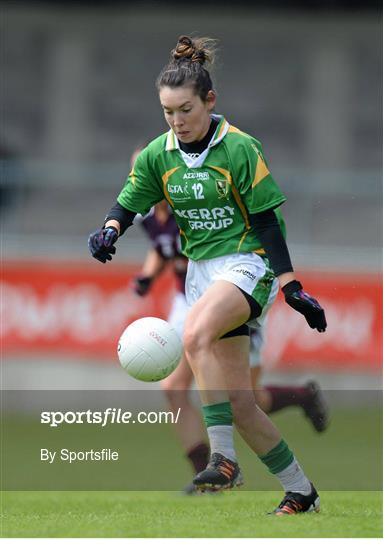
182	232
242	239
165	178
233	129
260	251
224	125
133	177
261	171
237	196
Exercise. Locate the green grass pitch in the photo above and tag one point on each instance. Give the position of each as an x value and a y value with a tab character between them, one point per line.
345	464
168	514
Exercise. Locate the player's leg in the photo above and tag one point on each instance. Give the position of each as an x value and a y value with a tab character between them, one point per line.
309	398
190	430
301	496
222	372
221	366
252	423
262	397
270	399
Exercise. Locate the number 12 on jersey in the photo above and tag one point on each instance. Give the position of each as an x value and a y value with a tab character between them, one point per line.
198	191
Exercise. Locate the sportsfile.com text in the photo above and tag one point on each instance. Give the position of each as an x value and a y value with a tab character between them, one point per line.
111	415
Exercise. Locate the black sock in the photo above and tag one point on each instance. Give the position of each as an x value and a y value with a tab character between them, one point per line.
199	456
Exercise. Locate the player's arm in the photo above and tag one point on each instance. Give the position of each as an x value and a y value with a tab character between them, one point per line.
262	195
120	218
139	194
268	231
153	266
270	235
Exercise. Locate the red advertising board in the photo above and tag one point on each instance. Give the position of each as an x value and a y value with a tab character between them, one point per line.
80	310
354	336
74	308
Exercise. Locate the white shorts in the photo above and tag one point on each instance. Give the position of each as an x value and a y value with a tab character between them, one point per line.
249	272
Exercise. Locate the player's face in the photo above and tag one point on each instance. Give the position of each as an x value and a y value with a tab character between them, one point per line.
186	113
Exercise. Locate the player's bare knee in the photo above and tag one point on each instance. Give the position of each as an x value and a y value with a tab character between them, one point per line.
196	340
167	386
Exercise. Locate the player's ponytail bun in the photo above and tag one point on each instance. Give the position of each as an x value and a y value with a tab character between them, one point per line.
186	66
199	50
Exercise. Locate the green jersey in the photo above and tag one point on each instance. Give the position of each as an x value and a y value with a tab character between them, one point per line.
211	194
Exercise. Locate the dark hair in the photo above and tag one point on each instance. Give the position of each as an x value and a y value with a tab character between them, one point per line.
186	65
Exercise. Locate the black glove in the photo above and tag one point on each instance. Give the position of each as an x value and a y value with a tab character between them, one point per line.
142	285
299	300
101	242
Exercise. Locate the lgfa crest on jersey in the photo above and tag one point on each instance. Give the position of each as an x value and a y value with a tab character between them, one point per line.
222	186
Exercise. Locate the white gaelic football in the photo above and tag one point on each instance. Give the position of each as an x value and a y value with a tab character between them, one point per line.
149	349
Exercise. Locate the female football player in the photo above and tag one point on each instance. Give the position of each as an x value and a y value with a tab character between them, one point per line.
225	202
161	228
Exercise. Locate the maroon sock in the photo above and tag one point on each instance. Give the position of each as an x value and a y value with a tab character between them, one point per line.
285	396
199	456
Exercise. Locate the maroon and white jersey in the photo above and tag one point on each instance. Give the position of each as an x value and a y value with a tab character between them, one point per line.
165	239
